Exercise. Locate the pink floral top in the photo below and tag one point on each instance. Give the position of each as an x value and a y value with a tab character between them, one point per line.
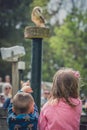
60	116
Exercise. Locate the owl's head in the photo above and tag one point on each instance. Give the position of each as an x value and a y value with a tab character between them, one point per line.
37	10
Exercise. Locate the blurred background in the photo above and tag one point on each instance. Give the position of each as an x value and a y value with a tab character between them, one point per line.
66	46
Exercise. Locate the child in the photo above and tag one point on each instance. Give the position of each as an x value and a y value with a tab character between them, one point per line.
7	101
63	110
22	113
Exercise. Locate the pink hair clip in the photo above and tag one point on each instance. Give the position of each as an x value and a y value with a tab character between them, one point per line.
76	74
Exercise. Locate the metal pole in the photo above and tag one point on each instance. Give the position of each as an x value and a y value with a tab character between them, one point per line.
36	34
36	69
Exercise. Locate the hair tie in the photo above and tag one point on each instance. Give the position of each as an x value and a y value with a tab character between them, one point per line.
76	74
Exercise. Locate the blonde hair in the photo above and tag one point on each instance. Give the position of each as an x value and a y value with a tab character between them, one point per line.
66	85
5	85
22	102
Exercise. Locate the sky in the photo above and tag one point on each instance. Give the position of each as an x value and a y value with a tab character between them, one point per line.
59	11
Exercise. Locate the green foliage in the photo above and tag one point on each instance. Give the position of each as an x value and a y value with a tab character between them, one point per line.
14	16
51	61
67	46
70	44
41	3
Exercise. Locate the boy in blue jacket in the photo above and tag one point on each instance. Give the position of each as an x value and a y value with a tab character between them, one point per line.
22	112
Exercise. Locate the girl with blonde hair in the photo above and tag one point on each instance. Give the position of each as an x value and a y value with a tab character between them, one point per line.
63	110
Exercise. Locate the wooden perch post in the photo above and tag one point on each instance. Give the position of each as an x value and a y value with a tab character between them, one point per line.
36	34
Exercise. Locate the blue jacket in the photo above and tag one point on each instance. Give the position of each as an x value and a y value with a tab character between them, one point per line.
6	103
22	121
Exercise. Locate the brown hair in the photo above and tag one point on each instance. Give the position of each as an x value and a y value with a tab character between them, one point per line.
65	85
21	102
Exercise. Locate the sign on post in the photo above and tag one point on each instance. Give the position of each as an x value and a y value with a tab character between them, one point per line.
12	54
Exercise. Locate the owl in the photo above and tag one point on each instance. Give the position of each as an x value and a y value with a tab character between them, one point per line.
37	17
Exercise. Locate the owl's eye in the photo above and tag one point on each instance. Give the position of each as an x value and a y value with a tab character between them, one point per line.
39	10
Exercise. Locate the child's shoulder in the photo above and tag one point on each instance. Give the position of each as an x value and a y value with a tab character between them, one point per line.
29	117
22	120
50	104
